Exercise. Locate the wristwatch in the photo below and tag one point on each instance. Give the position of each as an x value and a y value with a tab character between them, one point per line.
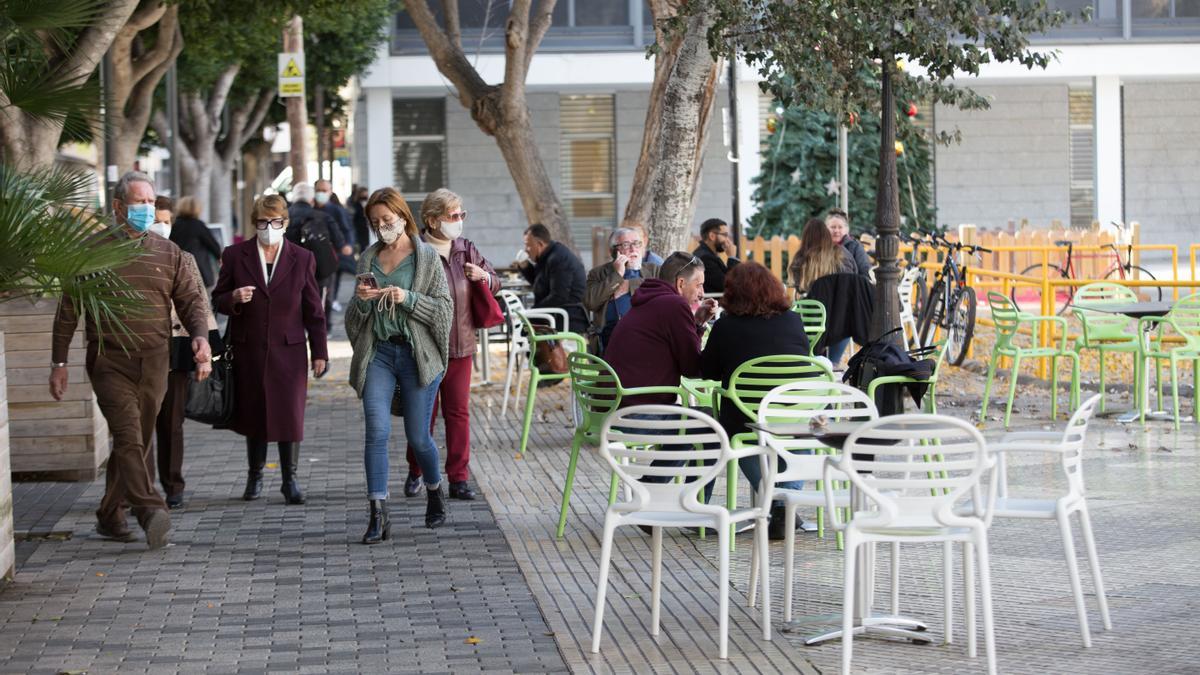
59	365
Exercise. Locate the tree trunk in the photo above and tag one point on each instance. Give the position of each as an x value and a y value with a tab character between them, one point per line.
514	137
220	201
886	316
297	113
136	73
687	102
641	195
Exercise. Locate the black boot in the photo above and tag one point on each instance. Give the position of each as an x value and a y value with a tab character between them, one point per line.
289	461
435	508
379	527
256	456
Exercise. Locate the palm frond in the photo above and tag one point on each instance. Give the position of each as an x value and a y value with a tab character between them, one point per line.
57	21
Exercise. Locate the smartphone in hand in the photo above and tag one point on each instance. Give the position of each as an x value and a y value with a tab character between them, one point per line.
367	280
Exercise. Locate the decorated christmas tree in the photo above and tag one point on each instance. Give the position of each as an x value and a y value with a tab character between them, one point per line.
799	176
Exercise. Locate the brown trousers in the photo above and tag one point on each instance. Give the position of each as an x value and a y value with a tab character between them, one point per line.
169	436
129	389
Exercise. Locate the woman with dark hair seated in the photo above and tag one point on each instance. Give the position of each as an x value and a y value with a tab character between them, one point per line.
757	321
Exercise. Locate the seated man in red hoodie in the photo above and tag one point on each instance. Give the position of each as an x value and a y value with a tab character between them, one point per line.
658	341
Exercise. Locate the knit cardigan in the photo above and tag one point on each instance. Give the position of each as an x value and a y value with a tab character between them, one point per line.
428	322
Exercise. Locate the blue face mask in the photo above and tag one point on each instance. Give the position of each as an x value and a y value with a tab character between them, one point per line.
139	216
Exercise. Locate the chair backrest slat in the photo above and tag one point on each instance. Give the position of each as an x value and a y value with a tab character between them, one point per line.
755	378
799	403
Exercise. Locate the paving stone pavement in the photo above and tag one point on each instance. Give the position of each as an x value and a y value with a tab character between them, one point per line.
254	587
263	587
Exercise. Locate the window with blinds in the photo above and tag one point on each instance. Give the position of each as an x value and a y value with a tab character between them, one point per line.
419	146
587	157
1082	125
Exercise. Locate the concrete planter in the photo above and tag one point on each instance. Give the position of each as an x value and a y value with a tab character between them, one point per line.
7	545
62	440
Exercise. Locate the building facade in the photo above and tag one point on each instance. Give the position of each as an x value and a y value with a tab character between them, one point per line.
1109	132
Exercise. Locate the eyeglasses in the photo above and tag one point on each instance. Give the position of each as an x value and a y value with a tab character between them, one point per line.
628	246
456	216
264	223
397	224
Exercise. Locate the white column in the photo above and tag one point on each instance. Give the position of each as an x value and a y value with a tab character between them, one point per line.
1110	164
749	159
377	137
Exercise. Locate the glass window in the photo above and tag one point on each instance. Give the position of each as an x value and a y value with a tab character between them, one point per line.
601	13
588	164
419	145
1151	9
1187	8
480	13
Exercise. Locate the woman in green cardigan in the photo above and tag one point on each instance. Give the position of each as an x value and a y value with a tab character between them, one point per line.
399	327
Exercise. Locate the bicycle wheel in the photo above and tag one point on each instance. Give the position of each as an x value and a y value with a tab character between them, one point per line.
961	326
919	293
931	313
1151	293
1029	298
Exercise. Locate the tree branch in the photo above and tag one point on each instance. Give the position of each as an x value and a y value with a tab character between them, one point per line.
539	23
165	48
141	99
516	45
453	24
259	114
449	58
95	40
220	91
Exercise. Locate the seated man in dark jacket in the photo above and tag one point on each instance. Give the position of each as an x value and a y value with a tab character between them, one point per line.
714	239
557	276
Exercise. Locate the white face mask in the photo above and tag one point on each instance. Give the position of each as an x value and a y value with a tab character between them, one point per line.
161	229
389	236
270	236
450	230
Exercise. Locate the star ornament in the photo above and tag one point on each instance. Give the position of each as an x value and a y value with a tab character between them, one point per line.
833	187
796	175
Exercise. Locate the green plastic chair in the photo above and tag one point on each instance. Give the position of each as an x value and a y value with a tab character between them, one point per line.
1182	321
1008	321
1105	332
535	375
749	384
813	314
598	392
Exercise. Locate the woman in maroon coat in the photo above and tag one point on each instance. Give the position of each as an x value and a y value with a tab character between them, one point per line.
268	288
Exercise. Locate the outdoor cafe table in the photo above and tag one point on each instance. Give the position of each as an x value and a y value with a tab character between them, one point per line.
1138	310
866	620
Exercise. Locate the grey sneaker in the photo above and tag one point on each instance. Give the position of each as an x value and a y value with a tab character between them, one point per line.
157	527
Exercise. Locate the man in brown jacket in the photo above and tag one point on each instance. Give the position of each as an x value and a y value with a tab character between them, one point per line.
611	285
129	369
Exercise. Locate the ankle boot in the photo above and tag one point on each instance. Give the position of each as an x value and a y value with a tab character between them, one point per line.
379	527
435	508
289	461
256	456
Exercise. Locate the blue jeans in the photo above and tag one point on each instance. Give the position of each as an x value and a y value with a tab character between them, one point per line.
837	349
751	468
394	365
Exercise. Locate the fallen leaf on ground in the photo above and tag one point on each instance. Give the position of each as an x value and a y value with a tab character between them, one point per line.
472	640
100	574
518	456
272	465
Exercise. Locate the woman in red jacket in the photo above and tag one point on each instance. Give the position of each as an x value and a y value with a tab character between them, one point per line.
268	287
442	218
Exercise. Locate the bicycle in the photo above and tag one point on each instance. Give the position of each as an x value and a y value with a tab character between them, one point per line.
918	239
1064	295
951	303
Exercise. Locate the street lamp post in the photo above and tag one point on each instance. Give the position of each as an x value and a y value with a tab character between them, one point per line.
886	316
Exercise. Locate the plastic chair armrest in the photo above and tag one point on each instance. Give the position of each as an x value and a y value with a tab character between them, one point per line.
548	313
1031	436
889	379
1028	446
831	465
568	336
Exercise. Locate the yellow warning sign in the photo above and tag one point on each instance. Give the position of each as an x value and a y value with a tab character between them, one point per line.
291	88
291	69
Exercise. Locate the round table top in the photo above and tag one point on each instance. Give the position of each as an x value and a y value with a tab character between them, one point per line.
1136	310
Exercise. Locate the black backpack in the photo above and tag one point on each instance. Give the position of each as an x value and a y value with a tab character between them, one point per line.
314	236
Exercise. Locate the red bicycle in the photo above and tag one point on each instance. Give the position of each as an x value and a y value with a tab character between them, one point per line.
1118	268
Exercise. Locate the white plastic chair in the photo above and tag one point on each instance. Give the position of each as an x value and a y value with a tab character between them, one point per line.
907	320
1068	445
630	445
518	353
915	494
798	403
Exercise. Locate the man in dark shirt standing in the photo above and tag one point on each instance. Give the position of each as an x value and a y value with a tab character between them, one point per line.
129	369
714	239
557	276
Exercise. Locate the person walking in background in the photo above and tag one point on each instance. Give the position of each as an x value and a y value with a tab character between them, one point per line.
839	228
268	287
329	204
314	230
557	276
190	233
756	321
714	239
358	217
169	425
399	328
442	218
128	368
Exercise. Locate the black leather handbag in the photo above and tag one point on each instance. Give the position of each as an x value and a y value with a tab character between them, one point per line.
211	401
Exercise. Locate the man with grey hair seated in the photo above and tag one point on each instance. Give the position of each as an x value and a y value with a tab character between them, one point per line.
313	229
611	285
128	368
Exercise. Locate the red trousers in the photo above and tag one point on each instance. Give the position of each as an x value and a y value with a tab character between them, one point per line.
454	396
